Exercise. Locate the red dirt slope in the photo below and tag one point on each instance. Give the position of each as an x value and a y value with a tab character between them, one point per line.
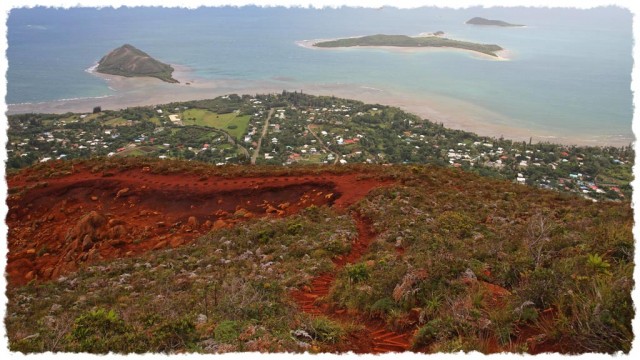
56	225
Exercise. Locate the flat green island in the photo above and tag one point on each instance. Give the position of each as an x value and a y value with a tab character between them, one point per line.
131	62
487	22
411	42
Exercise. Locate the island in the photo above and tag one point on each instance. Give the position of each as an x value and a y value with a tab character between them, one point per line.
129	61
408	41
487	22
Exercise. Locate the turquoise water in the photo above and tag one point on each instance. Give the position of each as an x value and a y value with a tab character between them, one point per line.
570	69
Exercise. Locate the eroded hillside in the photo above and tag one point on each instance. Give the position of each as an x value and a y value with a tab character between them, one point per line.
137	255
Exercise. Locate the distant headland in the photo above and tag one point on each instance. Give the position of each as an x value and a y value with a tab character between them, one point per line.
410	42
131	62
487	22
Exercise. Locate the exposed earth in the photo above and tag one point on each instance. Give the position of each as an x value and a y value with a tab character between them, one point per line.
58	224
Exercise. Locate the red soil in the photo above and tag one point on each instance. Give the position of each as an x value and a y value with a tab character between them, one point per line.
375	338
56	225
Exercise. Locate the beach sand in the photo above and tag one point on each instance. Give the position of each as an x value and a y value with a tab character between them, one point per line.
453	113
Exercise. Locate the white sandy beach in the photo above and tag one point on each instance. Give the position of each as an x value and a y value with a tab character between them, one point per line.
452	113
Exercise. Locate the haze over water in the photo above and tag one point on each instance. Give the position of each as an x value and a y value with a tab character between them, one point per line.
568	76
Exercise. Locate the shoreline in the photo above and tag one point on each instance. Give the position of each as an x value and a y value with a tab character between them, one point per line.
501	55
452	113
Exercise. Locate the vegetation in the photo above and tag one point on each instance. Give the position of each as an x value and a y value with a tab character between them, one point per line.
486	260
228	291
131	62
233	124
483	21
471	263
408	41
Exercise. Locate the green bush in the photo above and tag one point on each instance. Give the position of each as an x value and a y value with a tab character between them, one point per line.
325	330
101	331
175	335
382	307
357	272
227	331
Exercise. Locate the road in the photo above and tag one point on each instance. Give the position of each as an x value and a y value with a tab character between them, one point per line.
256	152
323	145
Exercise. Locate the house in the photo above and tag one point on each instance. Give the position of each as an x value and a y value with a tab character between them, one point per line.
175	119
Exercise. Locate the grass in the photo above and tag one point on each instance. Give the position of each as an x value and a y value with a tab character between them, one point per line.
235	125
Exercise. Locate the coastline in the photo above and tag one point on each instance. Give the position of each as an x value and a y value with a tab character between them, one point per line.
502	55
453	113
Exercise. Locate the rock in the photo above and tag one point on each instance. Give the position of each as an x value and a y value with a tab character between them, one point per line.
121	192
31	251
117	243
88	225
94	198
192	222
207	225
117	232
469	274
49	321
87	243
160	245
47	272
209	346
115	222
55	307
219	224
161	224
240	212
30	276
201	319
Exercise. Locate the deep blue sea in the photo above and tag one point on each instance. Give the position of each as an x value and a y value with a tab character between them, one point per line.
570	69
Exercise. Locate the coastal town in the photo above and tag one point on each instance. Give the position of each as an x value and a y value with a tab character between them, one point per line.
292	129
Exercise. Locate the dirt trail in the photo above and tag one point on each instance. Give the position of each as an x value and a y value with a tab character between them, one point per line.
380	340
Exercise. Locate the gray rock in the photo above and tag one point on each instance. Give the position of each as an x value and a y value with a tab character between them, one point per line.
201	319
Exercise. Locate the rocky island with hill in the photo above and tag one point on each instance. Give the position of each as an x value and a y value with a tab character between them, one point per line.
410	42
129	61
487	22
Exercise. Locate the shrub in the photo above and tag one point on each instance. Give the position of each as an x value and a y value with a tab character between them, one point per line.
325	330
101	331
357	272
382	307
227	331
175	335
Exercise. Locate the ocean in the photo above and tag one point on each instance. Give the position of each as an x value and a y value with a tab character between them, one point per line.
568	76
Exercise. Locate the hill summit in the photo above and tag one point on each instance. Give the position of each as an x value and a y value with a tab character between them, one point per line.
129	61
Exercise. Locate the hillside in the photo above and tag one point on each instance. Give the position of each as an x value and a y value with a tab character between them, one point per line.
408	41
487	22
132	62
136	255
